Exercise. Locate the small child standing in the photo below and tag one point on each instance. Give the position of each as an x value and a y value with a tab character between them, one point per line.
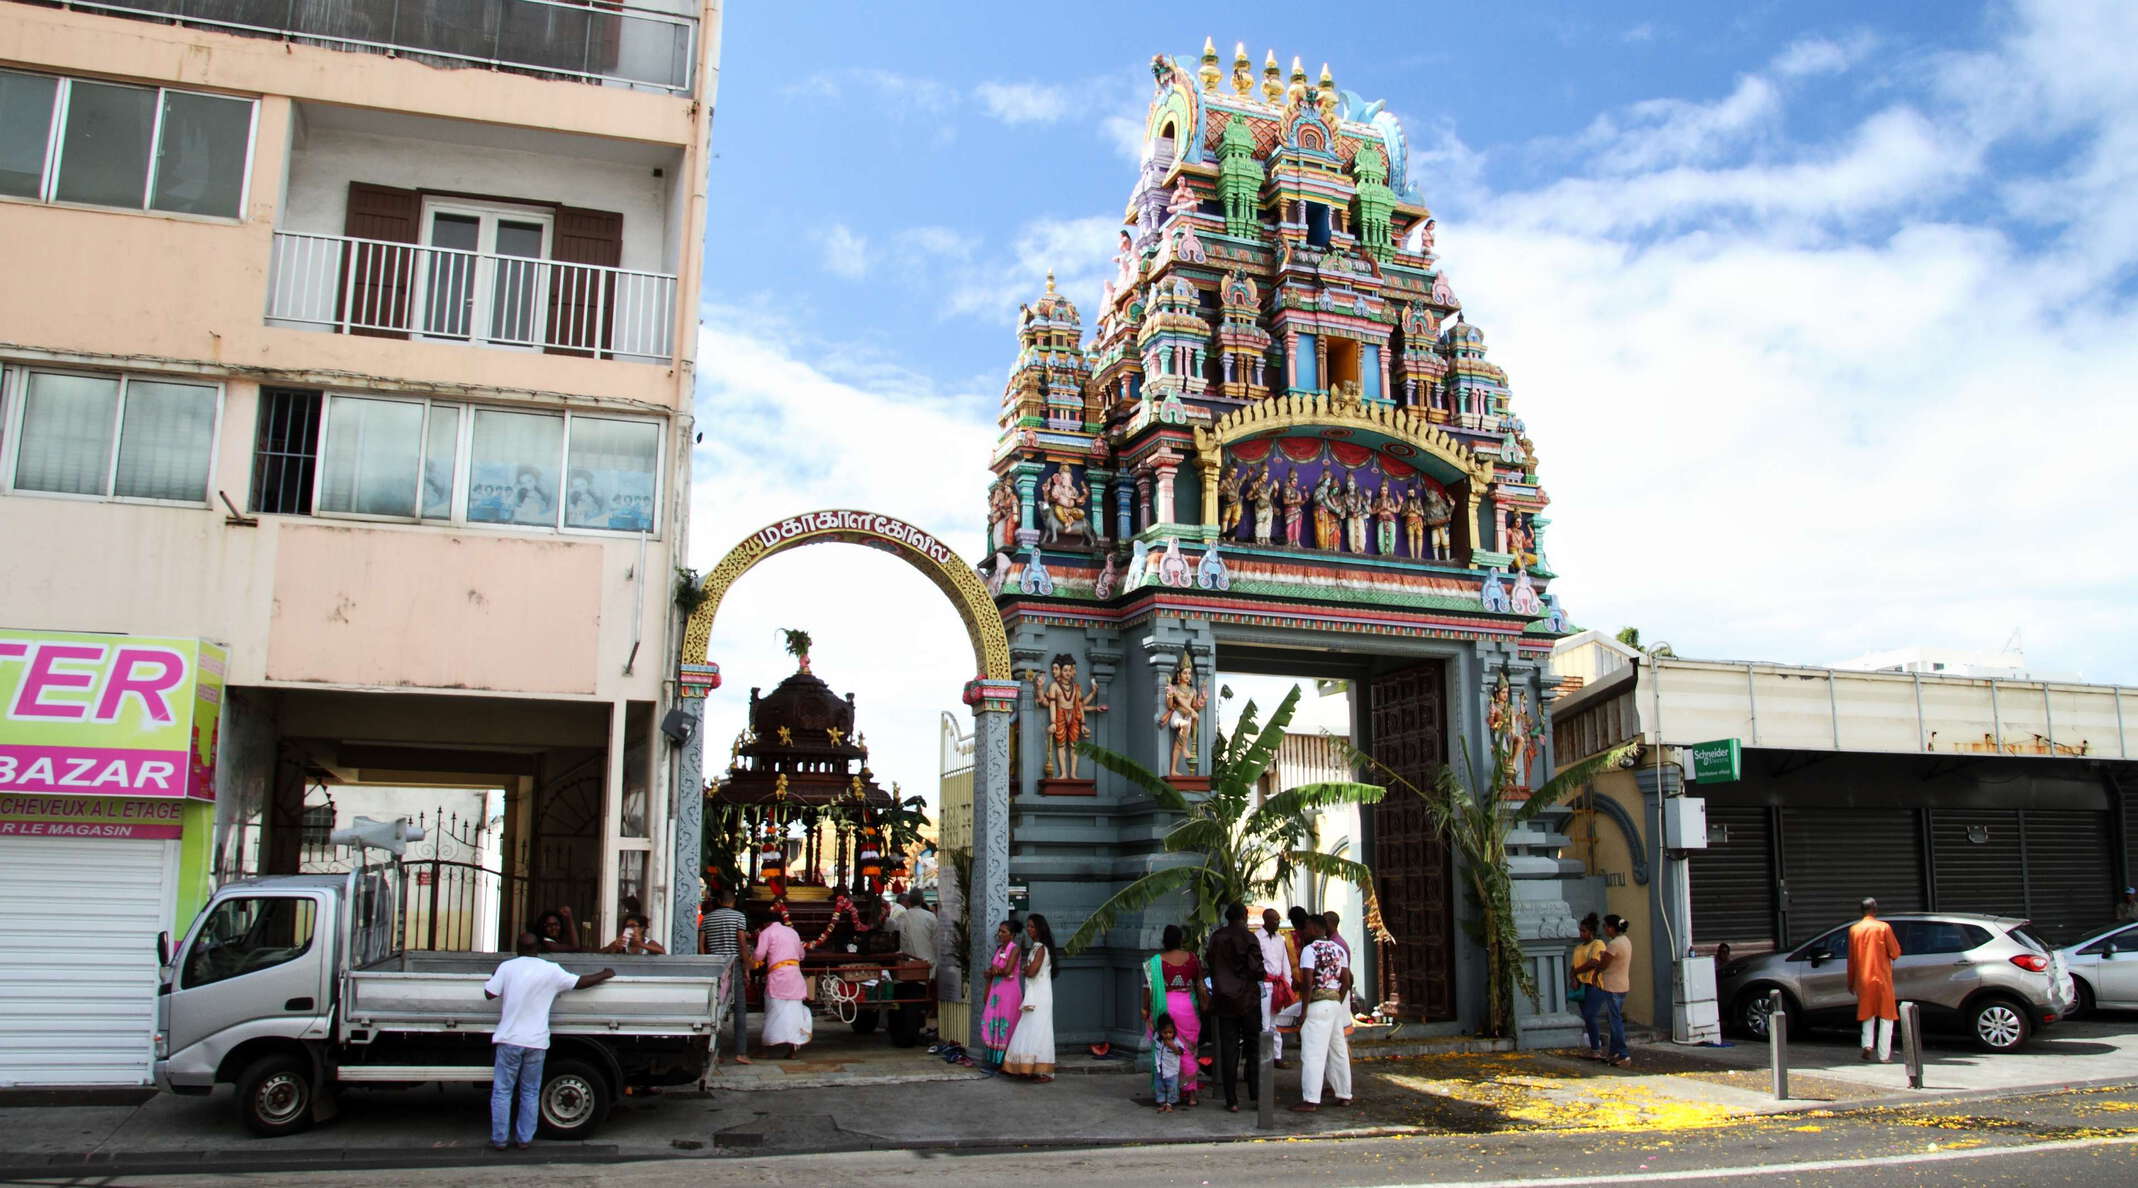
1165	1063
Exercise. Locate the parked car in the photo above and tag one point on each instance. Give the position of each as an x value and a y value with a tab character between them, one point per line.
1987	974
2104	966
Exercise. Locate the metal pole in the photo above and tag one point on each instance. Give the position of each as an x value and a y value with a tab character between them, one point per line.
1778	1047
1265	1082
1911	1042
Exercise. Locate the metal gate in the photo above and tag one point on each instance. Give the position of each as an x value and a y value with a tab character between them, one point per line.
1833	857
1407	727
1733	878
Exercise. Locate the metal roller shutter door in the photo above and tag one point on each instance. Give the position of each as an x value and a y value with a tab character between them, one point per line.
1978	861
1733	878
2070	882
1832	858
78	925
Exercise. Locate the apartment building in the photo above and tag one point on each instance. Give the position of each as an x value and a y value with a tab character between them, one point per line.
345	429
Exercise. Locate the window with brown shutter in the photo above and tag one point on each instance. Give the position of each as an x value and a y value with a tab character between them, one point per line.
377	278
582	301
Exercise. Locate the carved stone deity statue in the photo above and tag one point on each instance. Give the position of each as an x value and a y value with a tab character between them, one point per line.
1264	497
1328	512
1179	710
1357	508
1413	512
1294	501
1439	514
1002	515
1066	702
1064	498
1228	499
1385	508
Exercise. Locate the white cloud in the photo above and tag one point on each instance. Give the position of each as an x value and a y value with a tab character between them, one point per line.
784	436
1079	251
1794	403
1023	102
1823	55
1642	32
845	251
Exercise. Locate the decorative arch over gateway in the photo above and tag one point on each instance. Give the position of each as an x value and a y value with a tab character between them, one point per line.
936	561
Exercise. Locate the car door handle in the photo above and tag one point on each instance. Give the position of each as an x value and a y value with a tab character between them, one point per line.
298	1004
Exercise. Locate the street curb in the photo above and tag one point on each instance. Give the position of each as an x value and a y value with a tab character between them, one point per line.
1953	1096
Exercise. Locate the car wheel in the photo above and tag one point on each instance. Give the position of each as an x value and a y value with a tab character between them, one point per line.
1756	1004
1998	1025
865	1022
2085	1006
574	1100
275	1095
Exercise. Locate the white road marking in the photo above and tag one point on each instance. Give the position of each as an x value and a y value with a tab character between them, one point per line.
1785	1169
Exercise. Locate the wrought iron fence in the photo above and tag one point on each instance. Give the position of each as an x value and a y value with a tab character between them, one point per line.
454	893
346	284
598	41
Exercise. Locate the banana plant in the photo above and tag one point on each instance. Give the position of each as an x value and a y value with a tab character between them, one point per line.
1238	851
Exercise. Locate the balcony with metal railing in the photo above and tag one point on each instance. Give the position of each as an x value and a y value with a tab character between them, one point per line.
346	285
651	46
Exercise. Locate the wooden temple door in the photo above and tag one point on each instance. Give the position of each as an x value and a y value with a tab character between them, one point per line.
1407	731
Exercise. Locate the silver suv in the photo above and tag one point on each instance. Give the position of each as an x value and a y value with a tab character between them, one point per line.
1988	974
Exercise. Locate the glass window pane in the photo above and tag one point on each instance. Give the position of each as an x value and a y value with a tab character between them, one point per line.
441	449
200	154
247	935
373	451
610	482
516	282
512	465
165	436
25	126
449	276
66	433
104	150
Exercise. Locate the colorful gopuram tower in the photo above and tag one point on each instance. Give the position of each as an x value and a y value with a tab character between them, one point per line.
1282	450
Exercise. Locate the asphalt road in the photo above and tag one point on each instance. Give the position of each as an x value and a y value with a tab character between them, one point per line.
2085	1137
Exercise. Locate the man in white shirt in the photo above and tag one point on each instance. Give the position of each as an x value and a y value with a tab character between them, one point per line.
527	985
1324	1050
916	930
1276	971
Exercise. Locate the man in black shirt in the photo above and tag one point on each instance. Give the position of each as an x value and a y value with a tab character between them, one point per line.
1235	964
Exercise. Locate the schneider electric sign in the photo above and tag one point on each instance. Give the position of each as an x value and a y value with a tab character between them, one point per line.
108	715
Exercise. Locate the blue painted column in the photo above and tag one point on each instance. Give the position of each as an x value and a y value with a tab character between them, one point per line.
988	899
688	828
1124	505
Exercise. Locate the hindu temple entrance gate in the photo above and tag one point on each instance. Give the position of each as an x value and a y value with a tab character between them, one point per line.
992	694
1406	717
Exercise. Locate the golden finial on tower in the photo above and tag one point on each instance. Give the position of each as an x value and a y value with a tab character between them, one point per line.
1243	71
1295	93
1272	89
1050	280
1209	71
1327	101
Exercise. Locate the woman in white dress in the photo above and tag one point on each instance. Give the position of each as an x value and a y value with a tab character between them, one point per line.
1031	1050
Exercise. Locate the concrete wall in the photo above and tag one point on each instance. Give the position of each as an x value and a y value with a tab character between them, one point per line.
1618	867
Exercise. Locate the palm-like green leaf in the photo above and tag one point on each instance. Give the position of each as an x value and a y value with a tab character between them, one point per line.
1358	874
1134	897
1121	765
1295	803
1248	765
1197	835
1570	781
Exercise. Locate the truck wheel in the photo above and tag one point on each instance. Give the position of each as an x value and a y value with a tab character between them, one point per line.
907	1019
275	1095
864	1022
575	1099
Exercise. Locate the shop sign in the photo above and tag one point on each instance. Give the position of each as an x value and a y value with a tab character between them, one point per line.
1718	762
89	816
108	715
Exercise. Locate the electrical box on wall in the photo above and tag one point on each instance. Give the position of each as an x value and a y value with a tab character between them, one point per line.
1685	823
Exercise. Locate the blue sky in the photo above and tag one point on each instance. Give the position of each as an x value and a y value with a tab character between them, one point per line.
1821	315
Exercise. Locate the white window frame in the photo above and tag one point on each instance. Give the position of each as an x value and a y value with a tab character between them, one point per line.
483	279
55	138
15	399
463	451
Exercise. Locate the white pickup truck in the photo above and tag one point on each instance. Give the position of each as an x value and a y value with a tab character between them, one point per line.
290	987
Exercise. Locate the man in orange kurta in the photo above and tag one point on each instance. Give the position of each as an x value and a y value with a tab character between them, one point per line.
1871	950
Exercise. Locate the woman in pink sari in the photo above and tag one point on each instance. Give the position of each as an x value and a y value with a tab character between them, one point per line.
1173	987
1005	995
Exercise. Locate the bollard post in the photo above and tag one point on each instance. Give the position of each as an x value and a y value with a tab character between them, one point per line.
1911	1042
1265	1082
1778	1047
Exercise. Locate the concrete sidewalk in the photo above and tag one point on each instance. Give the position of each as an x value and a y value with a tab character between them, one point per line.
902	1102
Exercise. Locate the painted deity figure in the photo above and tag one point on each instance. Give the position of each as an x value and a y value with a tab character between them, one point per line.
1002	514
1179	710
1229	482
1357	508
1413	512
1294	501
1385	508
1328	512
1439	514
1517	736
1263	494
1067	701
1065	497
1521	542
